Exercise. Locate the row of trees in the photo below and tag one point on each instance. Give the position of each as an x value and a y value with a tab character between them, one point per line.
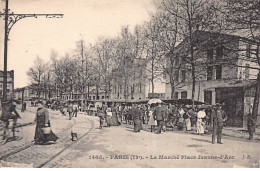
156	41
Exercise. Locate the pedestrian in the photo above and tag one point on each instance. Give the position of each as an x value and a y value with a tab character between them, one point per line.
218	116
119	113
108	117
115	121
137	114
129	115
9	112
200	124
170	117
151	121
101	116
180	118
187	118
251	126
75	110
43	133
22	110
192	112
70	110
160	116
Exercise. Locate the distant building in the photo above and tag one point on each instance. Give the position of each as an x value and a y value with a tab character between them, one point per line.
10	84
156	96
222	73
29	93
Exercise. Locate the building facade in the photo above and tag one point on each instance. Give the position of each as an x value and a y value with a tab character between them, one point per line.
224	67
10	84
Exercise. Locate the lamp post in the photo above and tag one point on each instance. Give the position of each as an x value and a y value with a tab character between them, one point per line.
10	20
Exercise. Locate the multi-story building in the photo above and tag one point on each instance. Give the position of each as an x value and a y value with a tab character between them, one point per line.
27	92
225	70
10	84
129	81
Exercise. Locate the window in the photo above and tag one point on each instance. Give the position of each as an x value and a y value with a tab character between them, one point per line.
247	71
248	50
209	72
94	97
208	97
219	53
218	72
184	95
210	55
177	76
133	88
103	97
183	76
176	94
140	88
97	97
120	88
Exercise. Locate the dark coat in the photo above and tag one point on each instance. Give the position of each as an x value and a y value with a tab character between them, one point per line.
218	117
42	118
137	114
70	108
160	113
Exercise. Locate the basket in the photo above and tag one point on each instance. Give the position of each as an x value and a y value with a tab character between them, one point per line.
46	130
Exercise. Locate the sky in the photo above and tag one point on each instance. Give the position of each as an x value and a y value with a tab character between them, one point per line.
87	19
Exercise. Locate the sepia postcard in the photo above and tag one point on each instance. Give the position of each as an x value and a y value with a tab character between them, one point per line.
129	84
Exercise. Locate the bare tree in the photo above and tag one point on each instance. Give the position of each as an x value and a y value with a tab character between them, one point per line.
36	73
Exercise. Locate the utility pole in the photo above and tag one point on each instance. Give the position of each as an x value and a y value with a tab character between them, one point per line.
10	20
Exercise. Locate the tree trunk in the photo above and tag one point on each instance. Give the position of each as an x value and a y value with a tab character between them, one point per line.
152	80
172	88
256	100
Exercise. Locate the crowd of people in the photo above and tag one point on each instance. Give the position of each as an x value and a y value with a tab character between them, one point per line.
157	117
161	116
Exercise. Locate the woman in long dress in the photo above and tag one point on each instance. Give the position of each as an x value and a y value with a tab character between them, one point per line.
200	123
187	117
151	121
181	119
115	121
42	121
137	113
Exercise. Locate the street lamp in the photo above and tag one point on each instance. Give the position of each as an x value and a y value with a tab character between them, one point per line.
10	20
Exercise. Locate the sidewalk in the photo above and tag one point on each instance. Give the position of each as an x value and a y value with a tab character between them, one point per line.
240	133
227	132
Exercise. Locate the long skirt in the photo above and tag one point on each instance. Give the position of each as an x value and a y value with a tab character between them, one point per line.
137	125
40	137
188	124
151	121
108	120
114	120
200	127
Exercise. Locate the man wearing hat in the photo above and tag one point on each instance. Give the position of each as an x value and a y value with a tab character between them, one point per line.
137	113
160	115
218	115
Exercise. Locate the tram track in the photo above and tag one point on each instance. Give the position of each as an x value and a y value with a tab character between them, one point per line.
68	147
31	143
